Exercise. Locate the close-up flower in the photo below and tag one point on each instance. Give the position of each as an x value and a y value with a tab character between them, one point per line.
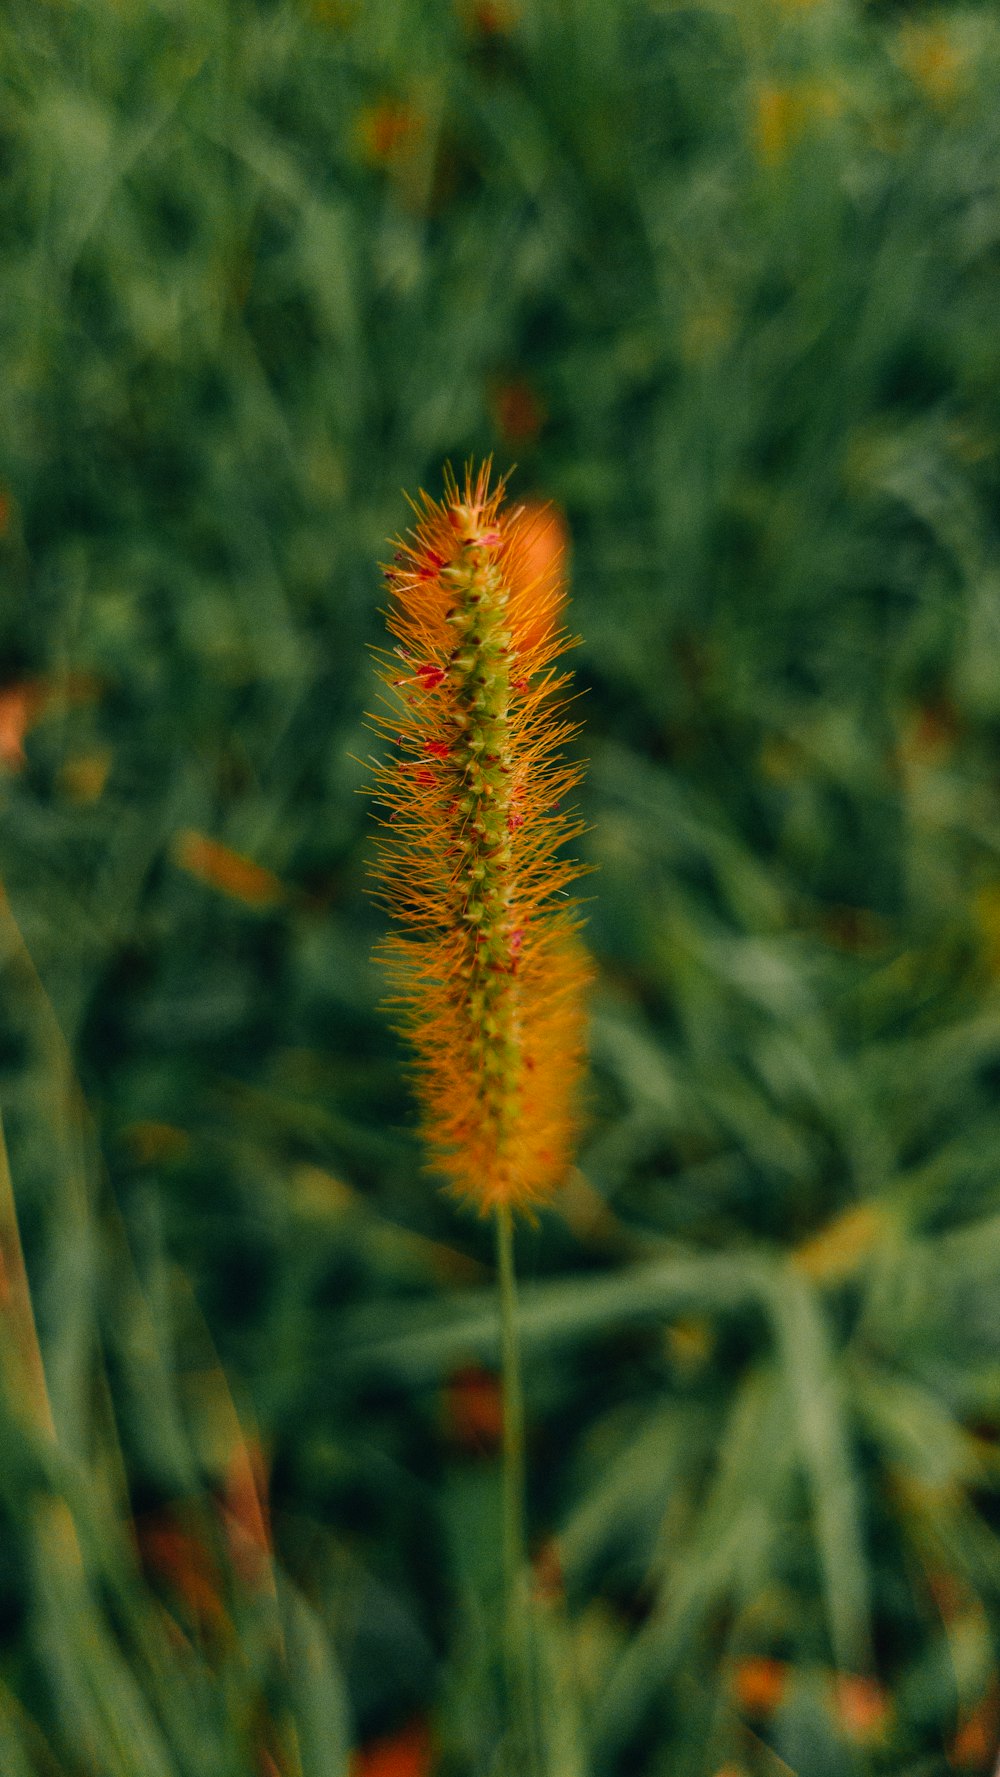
489	970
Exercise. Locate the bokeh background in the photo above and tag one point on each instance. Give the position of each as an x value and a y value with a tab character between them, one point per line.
724	281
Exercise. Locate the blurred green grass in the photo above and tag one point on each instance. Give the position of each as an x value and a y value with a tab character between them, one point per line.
723	279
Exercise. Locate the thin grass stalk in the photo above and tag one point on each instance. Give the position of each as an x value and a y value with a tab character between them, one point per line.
518	1640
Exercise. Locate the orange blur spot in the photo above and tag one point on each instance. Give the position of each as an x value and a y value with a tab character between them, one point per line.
547	1572
244	1514
538	573
219	867
178	1558
861	1706
974	1747
489	18
759	1684
24	703
389	132
928	738
404	1754
856	930
517	411
473	1404
20	707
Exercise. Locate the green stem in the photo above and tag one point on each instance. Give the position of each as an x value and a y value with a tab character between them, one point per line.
517	1603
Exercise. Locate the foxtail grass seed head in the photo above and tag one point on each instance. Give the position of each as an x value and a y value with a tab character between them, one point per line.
488	969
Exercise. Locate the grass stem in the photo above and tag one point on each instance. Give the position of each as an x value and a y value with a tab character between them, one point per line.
518	1641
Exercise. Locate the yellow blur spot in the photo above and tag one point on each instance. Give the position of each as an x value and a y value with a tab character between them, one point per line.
783	113
690	1343
150	1142
317	1194
986	913
337	15
56	1532
839	1248
780	760
83	778
777	123
706	333
932	62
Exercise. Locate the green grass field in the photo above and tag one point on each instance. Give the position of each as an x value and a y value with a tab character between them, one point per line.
723	281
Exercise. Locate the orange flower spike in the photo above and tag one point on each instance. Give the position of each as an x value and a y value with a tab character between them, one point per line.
489	967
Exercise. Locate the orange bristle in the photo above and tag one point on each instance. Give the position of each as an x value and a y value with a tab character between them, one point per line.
489	969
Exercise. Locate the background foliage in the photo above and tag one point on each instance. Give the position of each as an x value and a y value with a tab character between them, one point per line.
724	280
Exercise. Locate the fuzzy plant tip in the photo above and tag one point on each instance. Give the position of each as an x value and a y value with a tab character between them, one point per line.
488	970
